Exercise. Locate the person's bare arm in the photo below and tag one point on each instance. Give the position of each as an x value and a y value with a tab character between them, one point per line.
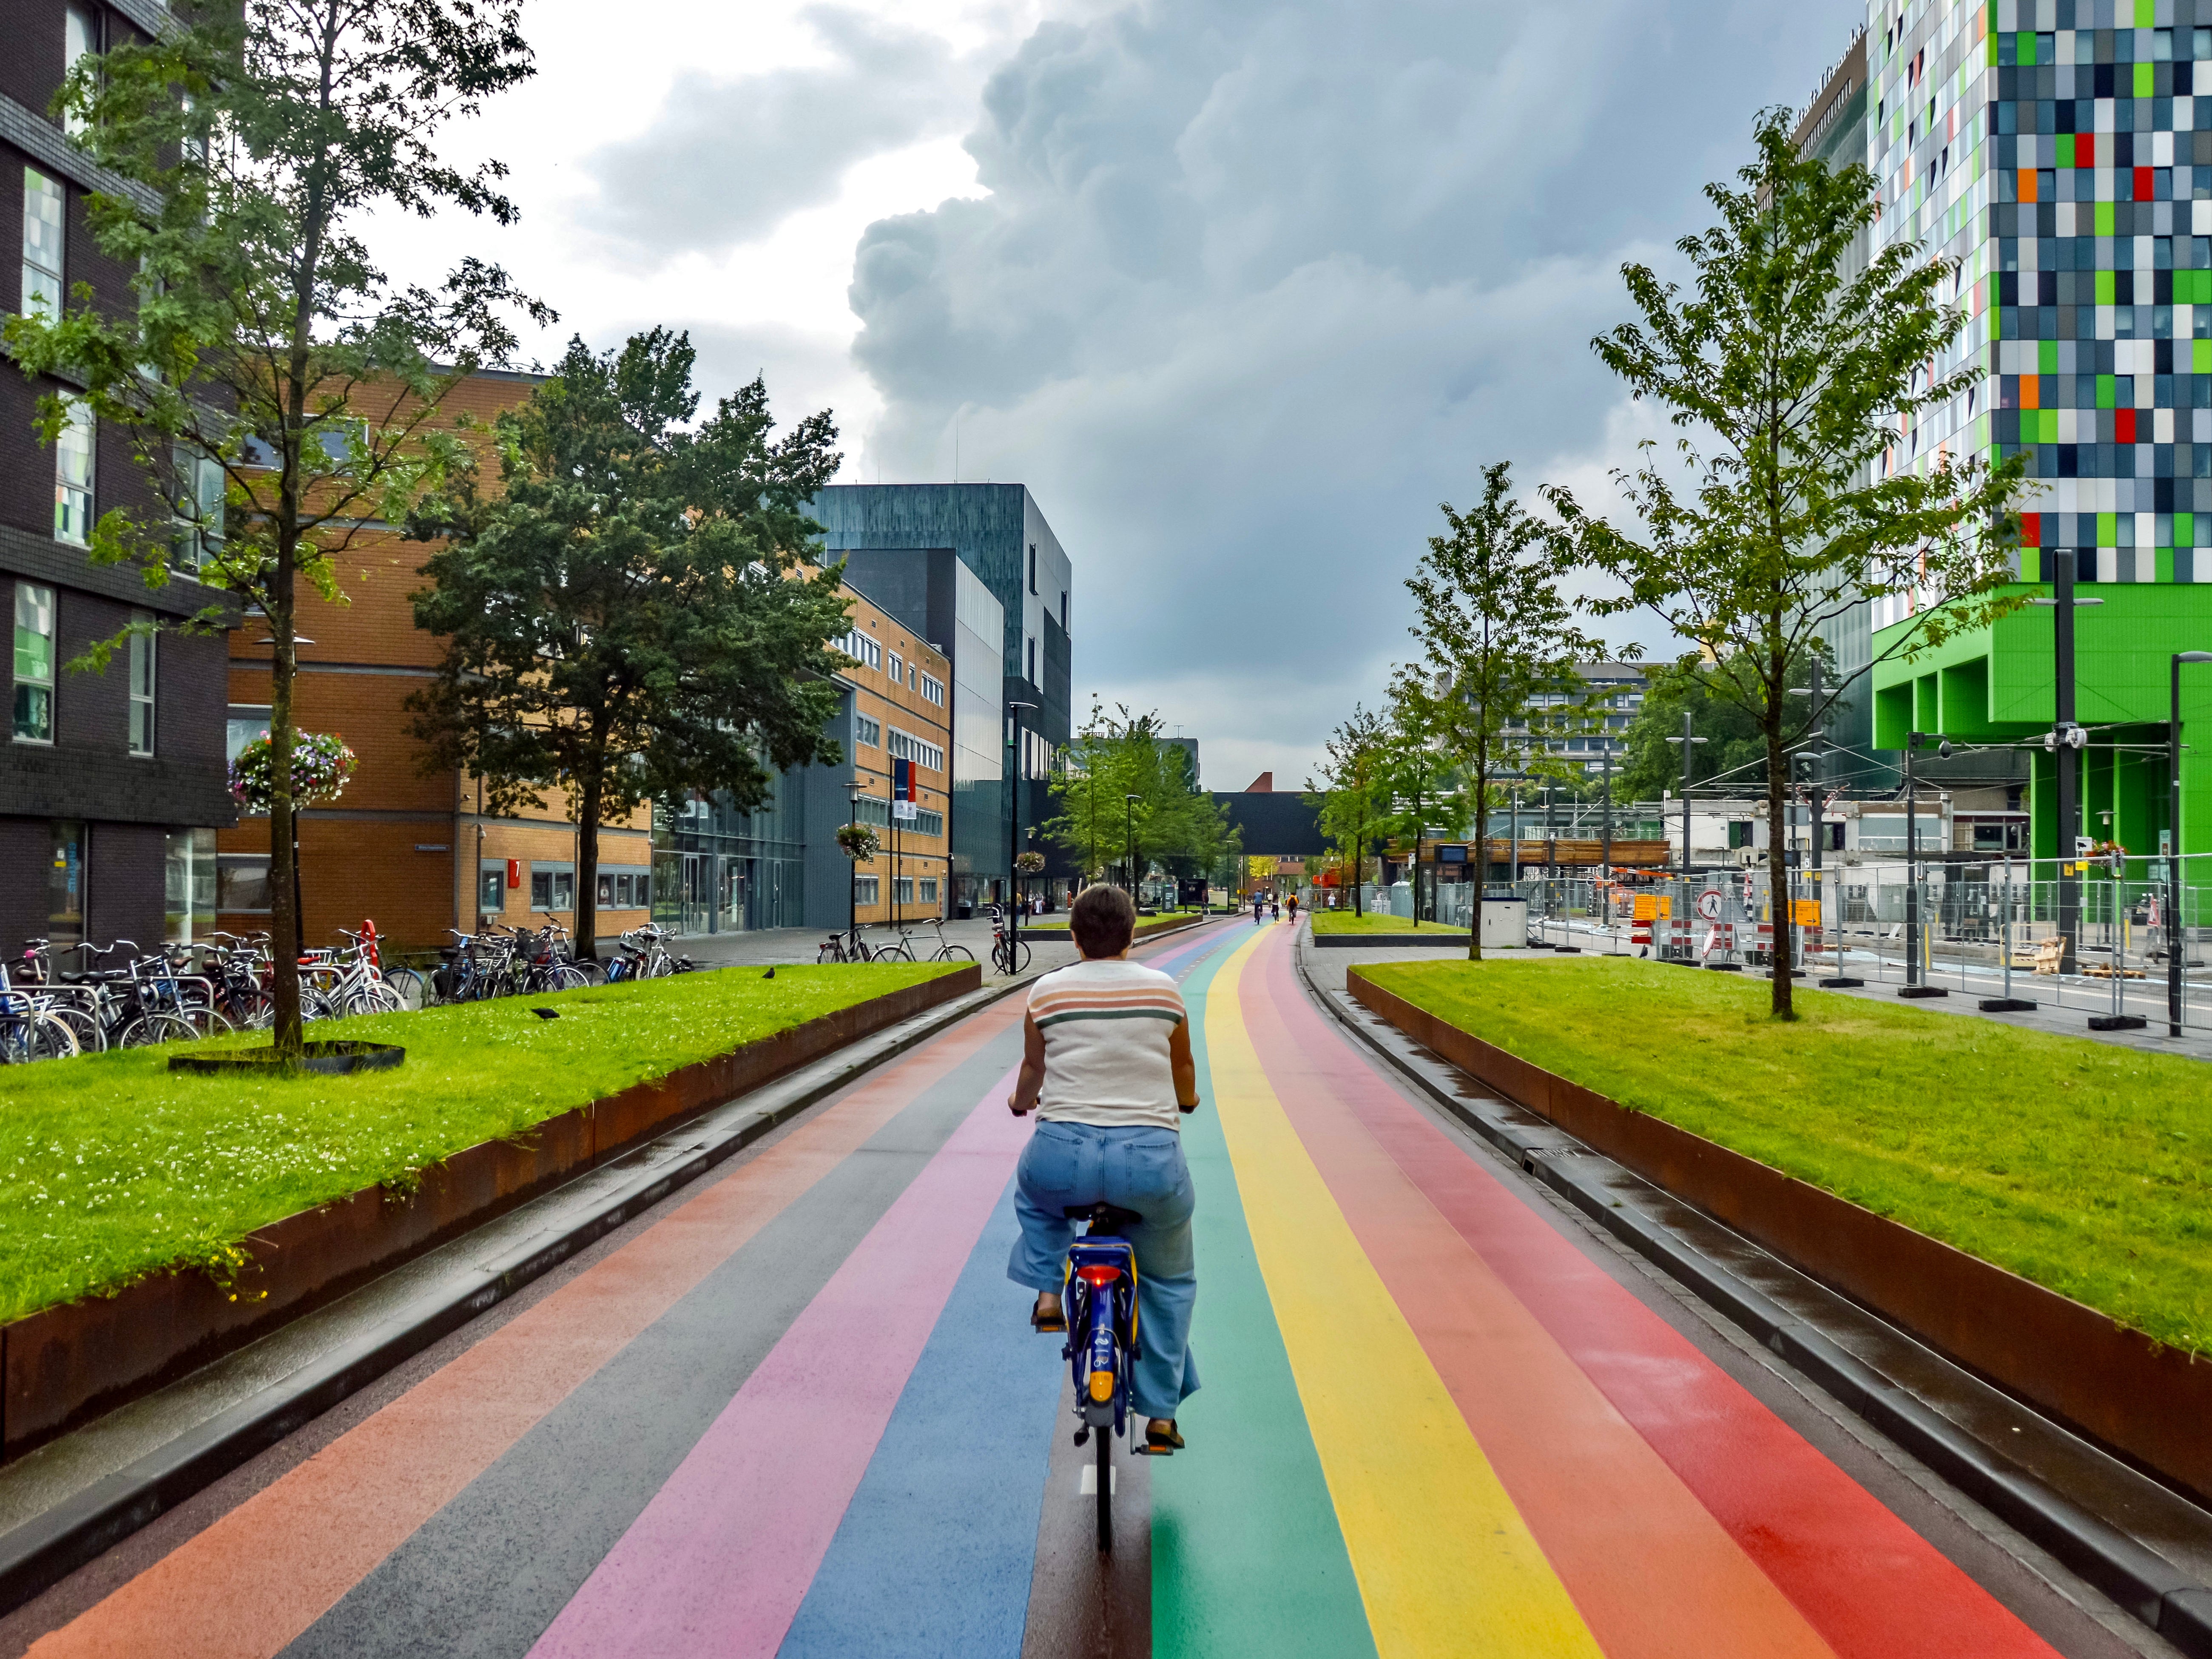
1023	1099
1184	1065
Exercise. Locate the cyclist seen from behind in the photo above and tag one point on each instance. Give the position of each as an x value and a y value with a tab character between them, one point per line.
1108	1068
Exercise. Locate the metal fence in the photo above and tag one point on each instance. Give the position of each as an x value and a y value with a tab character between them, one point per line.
1998	932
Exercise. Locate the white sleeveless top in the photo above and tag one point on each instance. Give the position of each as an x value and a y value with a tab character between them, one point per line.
1106	1026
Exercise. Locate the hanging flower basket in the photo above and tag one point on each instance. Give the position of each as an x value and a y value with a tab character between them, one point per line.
321	765
1029	864
859	841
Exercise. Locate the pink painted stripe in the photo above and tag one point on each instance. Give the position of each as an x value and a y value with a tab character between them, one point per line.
719	1560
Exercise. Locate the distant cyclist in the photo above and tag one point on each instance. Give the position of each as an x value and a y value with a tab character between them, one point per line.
1259	906
1293	902
1106	1065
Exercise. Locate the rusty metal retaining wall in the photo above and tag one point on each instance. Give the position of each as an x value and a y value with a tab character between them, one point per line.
2146	1400
62	1366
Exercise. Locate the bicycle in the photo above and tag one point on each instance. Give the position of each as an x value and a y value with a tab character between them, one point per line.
1010	955
945	951
1099	1293
29	1030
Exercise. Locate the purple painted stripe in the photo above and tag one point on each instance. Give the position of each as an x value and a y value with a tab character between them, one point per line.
719	1560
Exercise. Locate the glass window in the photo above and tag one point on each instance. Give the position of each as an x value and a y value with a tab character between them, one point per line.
198	507
929	890
605	896
492	888
79	39
898	668
34	663
865	889
188	886
73	478
241	882
552	887
247	721
867	731
65	884
904	885
141	687
42	244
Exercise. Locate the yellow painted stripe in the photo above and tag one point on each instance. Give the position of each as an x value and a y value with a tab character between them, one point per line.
1445	1564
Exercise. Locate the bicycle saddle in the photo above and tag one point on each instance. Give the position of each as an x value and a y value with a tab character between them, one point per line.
1103	1218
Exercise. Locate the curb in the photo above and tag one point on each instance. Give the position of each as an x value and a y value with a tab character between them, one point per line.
2143	1583
41	1551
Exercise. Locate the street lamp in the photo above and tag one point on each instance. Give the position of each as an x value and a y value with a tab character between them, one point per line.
1688	740
1912	986
2065	743
1014	834
853	876
1129	841
2176	948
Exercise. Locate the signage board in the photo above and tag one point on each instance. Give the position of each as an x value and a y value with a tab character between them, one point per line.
1451	855
1709	904
1806	913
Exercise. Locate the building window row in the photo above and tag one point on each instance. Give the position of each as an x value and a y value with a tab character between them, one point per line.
867	731
904	746
34	663
868	652
932	690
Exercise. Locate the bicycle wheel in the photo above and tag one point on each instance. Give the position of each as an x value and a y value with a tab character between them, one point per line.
375	999
24	1038
953	953
83	1027
408	984
1022	957
1104	1435
251	1011
566	978
148	1030
204	1021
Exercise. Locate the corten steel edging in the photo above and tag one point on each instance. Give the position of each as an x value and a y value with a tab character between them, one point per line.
1143	934
62	1366
1439	939
41	1551
2140	1580
2147	1401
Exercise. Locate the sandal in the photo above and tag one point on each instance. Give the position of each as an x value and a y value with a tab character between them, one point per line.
1055	1324
1161	1439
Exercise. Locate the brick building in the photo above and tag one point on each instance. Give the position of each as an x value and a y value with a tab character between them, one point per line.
111	785
413	851
901	710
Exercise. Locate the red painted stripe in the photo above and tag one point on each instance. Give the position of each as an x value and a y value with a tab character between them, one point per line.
1871	1586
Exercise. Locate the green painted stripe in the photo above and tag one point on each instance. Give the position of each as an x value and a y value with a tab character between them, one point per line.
1247	1558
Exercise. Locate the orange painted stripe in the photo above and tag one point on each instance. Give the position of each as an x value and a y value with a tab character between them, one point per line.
1651	1571
254	1580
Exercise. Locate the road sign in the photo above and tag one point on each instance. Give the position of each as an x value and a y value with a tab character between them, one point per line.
1806	913
1709	904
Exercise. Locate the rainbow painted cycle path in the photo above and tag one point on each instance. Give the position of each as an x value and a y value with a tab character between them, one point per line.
802	1413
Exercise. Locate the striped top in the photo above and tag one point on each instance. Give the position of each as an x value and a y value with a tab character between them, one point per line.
1106	1027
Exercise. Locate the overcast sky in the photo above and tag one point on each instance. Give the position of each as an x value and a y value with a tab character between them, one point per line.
1241	291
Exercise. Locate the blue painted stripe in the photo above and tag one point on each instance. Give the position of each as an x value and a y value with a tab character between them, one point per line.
935	1553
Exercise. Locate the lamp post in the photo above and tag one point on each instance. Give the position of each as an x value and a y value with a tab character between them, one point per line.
2176	945
1129	842
1688	740
2065	743
853	875
1014	833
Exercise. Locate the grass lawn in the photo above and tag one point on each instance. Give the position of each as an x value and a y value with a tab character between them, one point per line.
111	1167
2077	1164
1345	922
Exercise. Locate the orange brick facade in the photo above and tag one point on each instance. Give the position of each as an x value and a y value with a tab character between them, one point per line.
902	705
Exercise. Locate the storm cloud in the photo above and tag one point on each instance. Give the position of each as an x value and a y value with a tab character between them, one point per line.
728	158
1255	286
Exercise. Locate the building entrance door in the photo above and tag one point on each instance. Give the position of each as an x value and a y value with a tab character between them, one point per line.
698	916
731	900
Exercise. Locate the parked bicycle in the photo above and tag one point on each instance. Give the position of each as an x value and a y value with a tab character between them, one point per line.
29	1028
946	951
1010	955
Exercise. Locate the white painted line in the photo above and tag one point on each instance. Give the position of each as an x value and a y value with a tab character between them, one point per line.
1086	1484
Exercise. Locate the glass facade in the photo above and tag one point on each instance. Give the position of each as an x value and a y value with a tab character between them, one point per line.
2058	149
719	871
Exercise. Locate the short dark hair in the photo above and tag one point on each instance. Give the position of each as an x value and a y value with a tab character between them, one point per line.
1102	920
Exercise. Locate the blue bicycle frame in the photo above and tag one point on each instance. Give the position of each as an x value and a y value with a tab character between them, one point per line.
1099	1292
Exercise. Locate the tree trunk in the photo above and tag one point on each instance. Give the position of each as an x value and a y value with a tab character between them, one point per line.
1481	863
1358	870
284	912
588	870
1777	858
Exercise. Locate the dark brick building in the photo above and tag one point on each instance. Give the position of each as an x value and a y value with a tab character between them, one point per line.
111	785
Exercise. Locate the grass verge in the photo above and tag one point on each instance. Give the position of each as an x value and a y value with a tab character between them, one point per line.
1345	922
2078	1164
113	1167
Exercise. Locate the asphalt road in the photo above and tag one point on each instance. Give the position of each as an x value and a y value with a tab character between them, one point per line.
798	1410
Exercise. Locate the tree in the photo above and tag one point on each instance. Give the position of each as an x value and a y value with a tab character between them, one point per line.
281	390
1735	747
1118	755
1422	777
1353	794
1788	504
1500	645
629	618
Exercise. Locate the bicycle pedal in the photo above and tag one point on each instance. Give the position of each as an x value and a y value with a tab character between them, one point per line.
1083	1435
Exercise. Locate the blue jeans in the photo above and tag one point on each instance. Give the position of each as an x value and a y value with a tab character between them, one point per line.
1140	1169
